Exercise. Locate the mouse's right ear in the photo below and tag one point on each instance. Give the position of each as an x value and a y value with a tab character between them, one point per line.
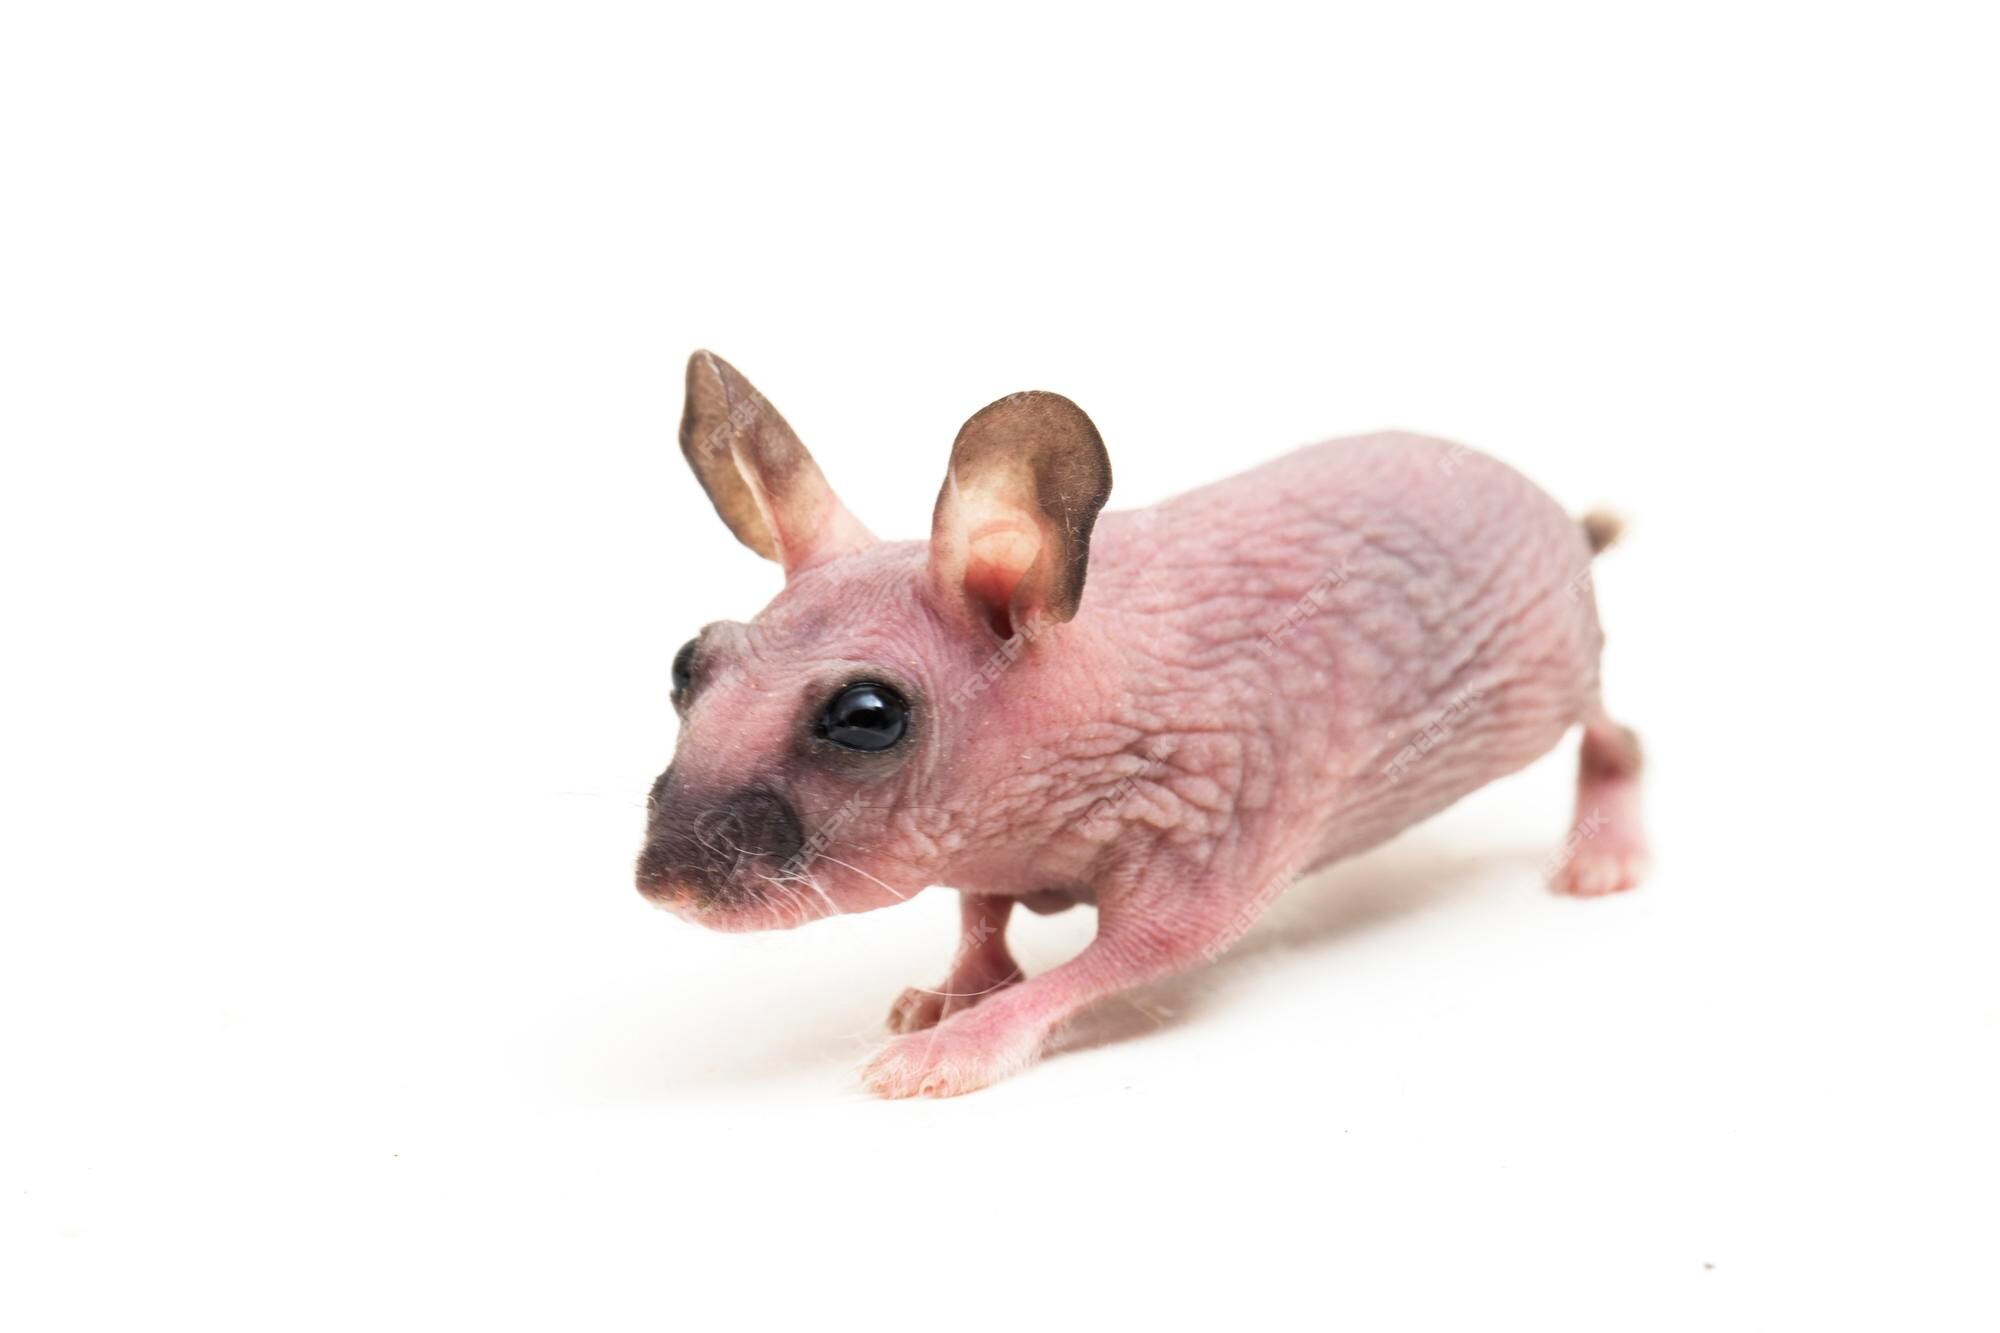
1010	537
760	478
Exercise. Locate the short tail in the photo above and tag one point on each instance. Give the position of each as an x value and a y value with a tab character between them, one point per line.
1601	528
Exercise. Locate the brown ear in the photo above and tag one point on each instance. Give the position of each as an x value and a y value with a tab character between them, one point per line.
762	481
1011	533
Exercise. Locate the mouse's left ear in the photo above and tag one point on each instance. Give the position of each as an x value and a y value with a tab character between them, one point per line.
1010	537
760	478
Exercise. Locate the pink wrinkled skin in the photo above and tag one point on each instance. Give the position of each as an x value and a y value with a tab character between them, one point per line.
1263	676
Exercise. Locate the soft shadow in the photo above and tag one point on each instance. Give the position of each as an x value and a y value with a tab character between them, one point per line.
752	1040
1317	915
774	1033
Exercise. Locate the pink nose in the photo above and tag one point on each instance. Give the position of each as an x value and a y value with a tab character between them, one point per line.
662	890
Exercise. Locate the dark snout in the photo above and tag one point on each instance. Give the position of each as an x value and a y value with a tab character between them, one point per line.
714	850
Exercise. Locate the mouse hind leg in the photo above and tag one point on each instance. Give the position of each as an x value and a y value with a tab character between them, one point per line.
1605	851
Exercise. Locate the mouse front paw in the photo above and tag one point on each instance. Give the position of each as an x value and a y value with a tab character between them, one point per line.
946	1061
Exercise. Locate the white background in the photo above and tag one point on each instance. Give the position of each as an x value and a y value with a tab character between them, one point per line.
347	544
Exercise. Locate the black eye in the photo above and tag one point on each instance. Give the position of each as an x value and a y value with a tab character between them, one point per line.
865	716
683	668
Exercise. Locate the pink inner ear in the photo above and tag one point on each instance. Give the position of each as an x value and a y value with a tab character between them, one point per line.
999	556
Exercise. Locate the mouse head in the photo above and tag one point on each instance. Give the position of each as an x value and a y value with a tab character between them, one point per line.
834	749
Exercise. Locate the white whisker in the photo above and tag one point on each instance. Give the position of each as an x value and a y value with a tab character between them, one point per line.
901	897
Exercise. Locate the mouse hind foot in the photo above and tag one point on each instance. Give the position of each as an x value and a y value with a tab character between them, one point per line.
1605	851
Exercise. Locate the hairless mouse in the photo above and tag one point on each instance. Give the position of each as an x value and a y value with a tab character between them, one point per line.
1169	713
